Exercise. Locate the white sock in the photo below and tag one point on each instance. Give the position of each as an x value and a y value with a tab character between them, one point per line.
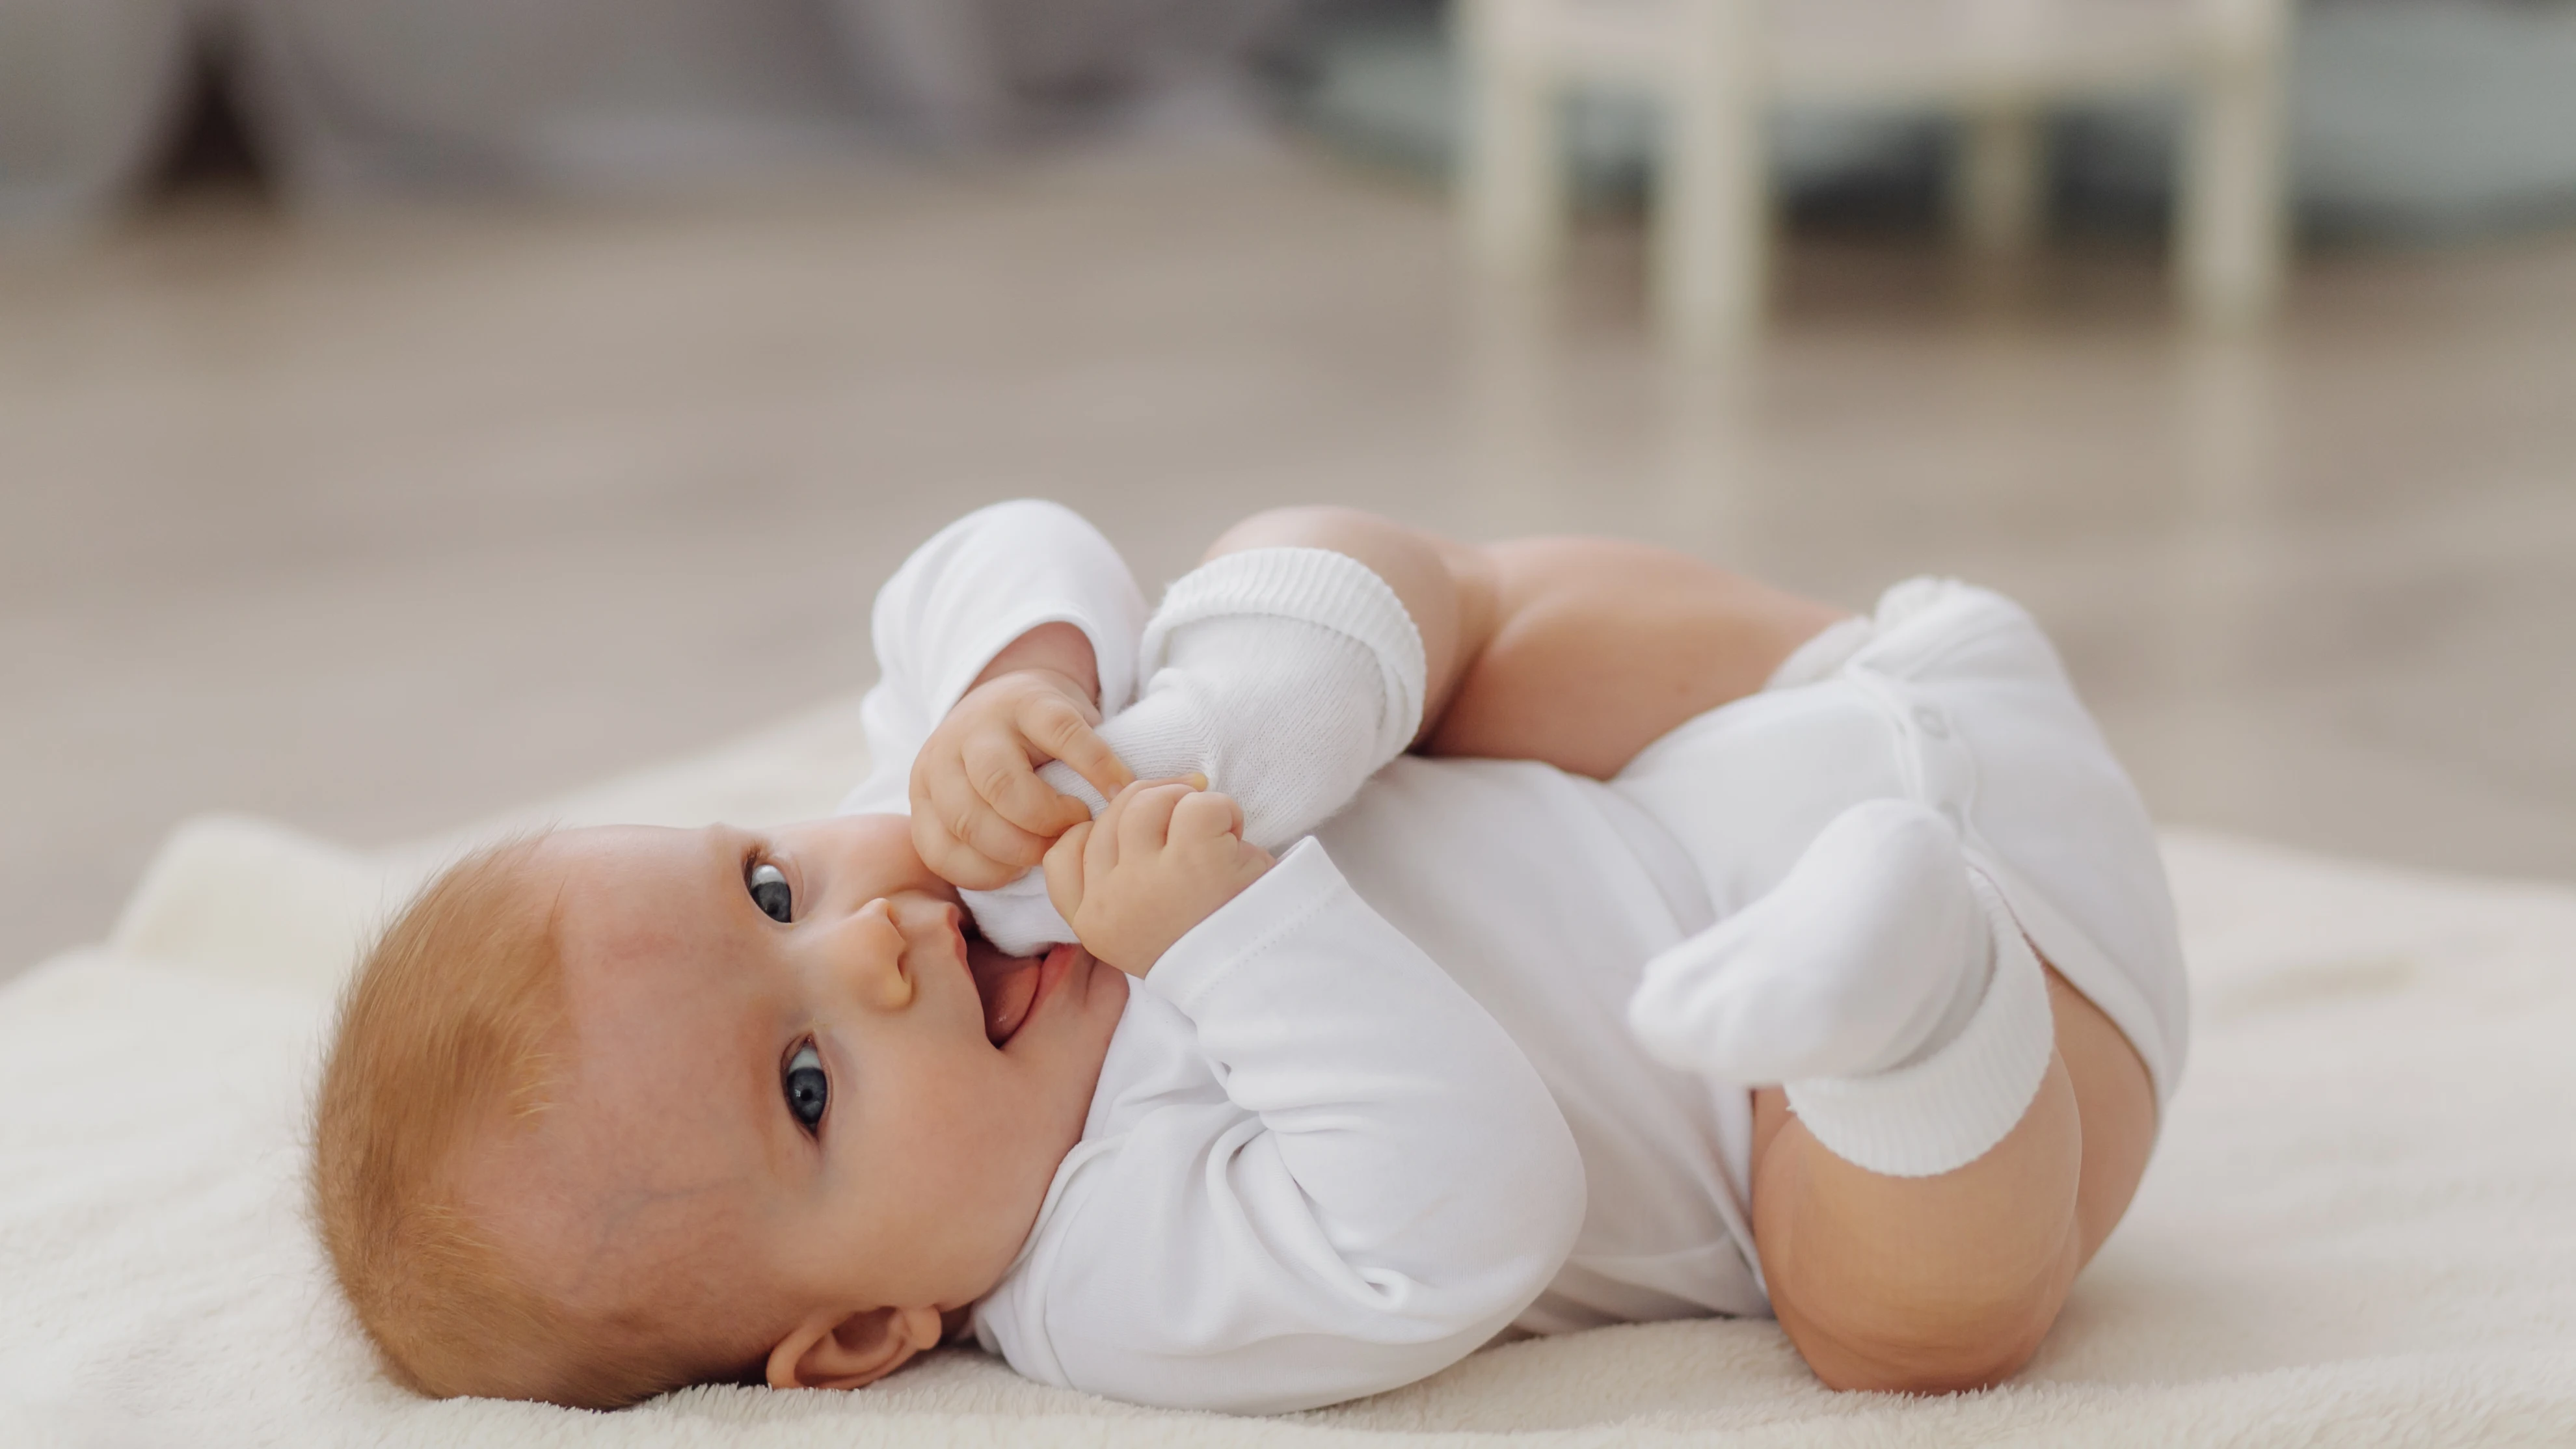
1883	981
1286	676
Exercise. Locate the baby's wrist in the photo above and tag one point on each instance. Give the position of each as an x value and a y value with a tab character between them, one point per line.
1136	947
1196	917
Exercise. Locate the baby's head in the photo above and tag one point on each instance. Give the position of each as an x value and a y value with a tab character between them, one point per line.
611	1111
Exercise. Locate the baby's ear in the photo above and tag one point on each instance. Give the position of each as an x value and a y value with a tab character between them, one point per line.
829	1351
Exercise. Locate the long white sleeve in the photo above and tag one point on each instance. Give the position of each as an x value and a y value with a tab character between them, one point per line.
1337	1175
961	598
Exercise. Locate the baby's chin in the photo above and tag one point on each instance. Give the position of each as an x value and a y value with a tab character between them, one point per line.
1007	984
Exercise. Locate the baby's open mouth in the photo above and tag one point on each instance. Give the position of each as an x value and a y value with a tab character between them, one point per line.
1008	985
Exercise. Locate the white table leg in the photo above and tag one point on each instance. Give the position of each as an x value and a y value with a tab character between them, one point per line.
2231	229
1712	188
1998	185
1513	172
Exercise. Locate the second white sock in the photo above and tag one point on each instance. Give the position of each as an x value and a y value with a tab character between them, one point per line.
1883	981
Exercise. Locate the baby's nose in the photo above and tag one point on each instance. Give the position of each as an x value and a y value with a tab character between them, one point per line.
870	956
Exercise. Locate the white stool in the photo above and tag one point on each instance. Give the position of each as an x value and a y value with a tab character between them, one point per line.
1714	67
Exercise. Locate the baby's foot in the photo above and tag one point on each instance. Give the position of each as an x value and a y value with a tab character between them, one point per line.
1873	951
1286	676
1883	982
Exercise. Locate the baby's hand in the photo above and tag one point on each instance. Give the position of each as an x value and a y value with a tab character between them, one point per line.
1158	861
980	814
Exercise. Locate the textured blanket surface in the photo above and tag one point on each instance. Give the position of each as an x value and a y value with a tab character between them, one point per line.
2360	1227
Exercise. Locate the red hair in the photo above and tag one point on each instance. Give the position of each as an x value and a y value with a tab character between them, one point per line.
448	1034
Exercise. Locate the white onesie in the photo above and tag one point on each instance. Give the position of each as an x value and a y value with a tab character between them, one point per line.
1384	1103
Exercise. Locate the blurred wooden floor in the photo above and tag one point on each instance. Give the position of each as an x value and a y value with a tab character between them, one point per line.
378	524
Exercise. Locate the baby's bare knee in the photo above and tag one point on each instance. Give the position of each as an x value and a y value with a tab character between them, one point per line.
1309	525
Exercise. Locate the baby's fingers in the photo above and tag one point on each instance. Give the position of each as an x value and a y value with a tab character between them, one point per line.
1147	821
954	863
1057	728
999	770
1205	815
1065	874
950	800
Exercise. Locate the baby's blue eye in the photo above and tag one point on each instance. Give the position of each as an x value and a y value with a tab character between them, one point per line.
769	892
808	1090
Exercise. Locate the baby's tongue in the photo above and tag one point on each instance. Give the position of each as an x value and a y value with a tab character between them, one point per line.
1007	985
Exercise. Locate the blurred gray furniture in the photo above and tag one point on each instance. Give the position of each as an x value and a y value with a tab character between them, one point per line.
356	97
87	88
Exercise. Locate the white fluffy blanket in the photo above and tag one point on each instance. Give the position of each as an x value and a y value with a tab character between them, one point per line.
2360	1229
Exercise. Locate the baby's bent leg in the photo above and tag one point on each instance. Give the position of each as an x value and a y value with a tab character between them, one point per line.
1577	652
1600	647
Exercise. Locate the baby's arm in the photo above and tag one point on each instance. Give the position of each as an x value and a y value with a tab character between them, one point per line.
1339	1176
1016	584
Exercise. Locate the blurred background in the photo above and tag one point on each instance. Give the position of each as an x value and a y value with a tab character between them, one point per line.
412	407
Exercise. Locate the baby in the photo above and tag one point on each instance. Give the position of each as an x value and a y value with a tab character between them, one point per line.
1764	960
